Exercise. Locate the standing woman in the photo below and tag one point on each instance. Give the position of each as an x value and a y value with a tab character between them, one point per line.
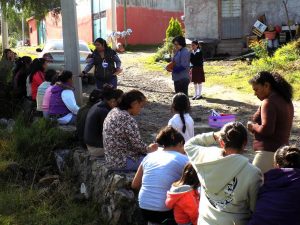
197	69
272	123
107	64
181	62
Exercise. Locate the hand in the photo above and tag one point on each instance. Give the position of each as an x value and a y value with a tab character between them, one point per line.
118	71
83	74
152	147
217	136
250	126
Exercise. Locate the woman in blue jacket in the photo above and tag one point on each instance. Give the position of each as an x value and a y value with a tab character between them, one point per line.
181	61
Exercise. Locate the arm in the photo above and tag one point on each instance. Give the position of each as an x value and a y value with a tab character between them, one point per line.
256	183
268	120
194	146
137	180
88	67
69	100
134	137
184	62
117	61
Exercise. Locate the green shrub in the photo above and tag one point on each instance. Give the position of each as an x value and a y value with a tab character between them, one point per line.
32	145
174	29
165	51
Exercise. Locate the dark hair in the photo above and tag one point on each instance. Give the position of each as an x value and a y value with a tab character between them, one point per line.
65	76
288	157
50	74
277	82
108	93
102	42
21	64
181	104
189	177
169	137
4	55
129	97
36	65
180	40
196	42
234	135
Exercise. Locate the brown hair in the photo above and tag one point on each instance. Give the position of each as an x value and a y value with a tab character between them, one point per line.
288	157
169	137
234	135
188	177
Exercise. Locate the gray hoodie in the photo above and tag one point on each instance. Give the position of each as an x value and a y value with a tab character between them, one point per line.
229	184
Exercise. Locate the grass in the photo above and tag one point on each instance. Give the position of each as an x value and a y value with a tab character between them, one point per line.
23	206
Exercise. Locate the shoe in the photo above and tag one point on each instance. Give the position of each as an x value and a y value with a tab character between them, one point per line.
194	98
199	97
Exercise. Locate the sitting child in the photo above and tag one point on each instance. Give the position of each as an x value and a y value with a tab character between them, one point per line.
183	197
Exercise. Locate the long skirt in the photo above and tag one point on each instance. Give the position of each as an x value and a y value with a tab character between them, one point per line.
198	75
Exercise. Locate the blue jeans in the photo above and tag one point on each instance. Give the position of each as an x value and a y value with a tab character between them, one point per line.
113	82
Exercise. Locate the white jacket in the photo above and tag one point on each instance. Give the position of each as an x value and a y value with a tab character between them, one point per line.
229	184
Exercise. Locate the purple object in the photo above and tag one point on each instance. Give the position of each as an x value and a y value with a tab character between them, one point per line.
220	121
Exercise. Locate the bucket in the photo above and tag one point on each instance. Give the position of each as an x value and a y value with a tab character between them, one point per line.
220	121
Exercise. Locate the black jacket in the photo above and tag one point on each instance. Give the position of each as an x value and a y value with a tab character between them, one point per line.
197	58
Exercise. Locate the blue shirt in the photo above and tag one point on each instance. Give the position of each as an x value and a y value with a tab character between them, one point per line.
160	170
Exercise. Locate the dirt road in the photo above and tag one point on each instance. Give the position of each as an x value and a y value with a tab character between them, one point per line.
158	88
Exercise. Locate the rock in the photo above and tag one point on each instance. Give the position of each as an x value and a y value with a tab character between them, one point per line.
111	189
3	123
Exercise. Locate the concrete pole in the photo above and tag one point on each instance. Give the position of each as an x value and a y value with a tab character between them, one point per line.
113	22
4	31
71	44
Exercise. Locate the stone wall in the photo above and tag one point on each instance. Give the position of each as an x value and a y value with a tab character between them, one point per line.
111	190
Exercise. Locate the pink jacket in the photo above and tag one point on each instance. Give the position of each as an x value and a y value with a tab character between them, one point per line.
46	99
185	202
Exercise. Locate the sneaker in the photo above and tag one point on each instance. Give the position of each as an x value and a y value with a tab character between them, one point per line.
194	98
199	97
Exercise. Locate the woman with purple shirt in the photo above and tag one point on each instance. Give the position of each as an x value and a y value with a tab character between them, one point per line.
279	197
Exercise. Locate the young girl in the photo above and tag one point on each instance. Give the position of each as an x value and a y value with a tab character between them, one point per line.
183	197
197	69
182	121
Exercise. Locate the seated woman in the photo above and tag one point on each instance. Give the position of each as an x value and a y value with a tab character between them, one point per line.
279	197
63	105
156	174
49	76
94	97
229	183
123	145
95	119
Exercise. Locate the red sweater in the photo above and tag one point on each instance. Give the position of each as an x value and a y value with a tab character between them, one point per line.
38	78
185	203
273	123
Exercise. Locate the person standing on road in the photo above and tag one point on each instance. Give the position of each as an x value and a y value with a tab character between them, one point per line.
272	123
181	65
107	64
197	71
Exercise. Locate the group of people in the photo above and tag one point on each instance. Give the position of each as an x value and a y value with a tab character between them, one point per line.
181	178
187	67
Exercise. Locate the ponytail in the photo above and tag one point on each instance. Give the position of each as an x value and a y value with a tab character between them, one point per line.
183	122
181	105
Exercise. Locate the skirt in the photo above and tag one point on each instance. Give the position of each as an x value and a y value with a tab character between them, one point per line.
198	75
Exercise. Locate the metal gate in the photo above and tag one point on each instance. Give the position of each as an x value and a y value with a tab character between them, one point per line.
231	19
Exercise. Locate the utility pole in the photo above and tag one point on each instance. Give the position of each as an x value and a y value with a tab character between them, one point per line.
125	20
4	30
71	44
113	21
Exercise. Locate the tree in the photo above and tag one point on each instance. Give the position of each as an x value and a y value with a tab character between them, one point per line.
38	9
174	29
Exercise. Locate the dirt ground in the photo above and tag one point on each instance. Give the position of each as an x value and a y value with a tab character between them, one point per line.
158	88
